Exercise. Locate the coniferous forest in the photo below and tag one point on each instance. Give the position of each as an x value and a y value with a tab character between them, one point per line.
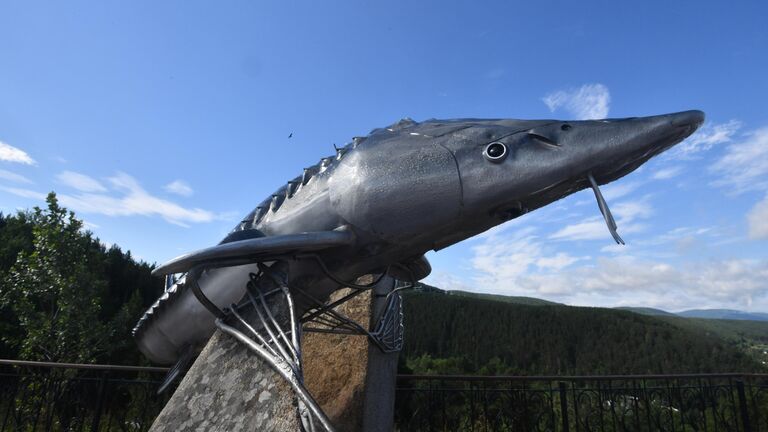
453	334
66	297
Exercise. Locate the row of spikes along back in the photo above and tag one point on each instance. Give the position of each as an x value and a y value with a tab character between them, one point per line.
293	186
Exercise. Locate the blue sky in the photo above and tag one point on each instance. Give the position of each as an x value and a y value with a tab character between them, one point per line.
162	123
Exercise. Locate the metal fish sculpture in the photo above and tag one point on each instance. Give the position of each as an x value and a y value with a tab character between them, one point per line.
383	200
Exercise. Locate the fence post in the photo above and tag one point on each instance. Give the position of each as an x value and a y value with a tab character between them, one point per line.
100	406
563	405
743	405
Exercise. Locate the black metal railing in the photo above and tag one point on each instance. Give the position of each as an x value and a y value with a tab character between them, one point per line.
700	402
40	396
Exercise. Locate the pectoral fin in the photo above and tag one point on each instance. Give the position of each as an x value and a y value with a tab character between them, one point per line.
250	250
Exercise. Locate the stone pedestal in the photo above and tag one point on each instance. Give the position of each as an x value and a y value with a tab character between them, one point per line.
230	389
350	377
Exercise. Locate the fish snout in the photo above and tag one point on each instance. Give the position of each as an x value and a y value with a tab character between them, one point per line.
636	140
692	119
685	123
673	128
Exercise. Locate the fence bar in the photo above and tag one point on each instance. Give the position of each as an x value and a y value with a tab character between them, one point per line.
743	406
100	406
45	396
616	403
81	366
63	396
564	405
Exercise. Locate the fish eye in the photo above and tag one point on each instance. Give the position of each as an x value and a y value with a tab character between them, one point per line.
565	127
495	152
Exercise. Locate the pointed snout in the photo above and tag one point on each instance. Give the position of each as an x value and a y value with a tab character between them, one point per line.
692	118
628	143
673	127
667	130
661	132
670	129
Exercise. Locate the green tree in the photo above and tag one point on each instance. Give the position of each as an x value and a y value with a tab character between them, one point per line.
52	292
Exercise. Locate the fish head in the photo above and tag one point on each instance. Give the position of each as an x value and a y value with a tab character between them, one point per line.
510	167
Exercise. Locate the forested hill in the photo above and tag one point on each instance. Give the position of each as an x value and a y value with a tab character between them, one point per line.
452	334
66	297
530	301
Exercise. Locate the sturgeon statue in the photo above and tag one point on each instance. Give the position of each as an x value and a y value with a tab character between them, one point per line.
383	200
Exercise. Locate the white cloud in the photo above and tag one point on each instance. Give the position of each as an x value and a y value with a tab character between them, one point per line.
558	261
10	153
447	281
683	238
594	228
80	182
619	189
705	138
127	198
629	211
616	249
179	187
24	193
512	265
757	219
509	258
745	164
590	101
524	263
16	178
667	173
134	201
512	256
89	225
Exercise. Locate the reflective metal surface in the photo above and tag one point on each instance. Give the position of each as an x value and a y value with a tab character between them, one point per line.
382	201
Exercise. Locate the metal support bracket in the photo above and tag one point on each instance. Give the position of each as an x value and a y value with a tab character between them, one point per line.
388	333
278	347
281	348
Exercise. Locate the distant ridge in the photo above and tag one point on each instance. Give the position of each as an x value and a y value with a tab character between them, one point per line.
646	311
530	301
717	314
726	314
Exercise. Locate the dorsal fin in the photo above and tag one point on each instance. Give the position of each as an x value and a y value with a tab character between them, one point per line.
401	124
